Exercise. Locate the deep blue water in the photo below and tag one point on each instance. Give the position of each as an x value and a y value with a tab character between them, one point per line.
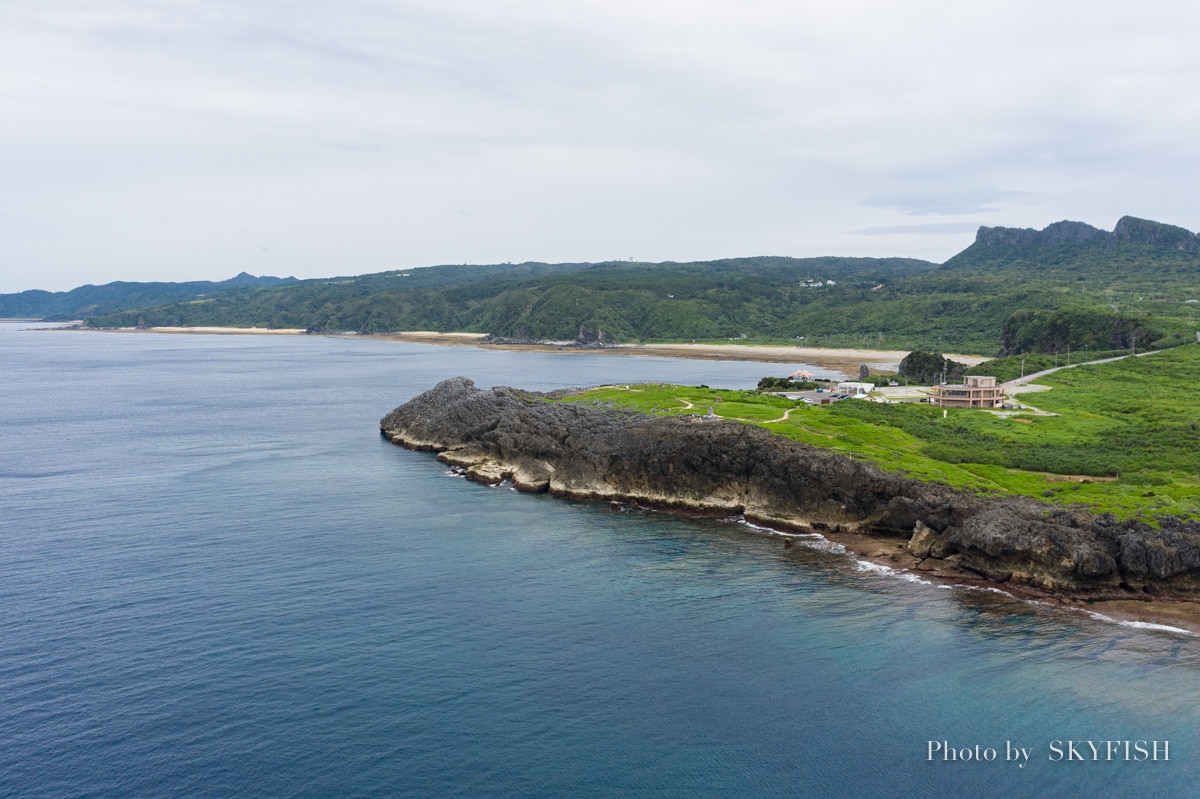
216	579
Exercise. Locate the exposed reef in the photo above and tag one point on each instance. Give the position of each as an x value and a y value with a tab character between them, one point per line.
728	468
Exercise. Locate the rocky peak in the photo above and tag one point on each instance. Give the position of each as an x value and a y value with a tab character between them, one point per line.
1131	229
1065	232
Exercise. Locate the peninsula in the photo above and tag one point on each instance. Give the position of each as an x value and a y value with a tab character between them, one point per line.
727	468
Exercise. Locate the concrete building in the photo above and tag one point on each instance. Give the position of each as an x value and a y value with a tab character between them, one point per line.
854	387
976	391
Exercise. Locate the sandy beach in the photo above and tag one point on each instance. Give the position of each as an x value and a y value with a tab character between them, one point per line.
221	331
842	359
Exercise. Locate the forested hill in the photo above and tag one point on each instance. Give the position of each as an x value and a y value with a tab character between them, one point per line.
1069	286
89	301
615	301
1137	285
1137	256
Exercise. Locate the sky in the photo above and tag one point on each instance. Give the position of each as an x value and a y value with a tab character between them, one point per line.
181	140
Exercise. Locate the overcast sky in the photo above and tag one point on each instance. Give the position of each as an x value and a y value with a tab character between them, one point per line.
184	140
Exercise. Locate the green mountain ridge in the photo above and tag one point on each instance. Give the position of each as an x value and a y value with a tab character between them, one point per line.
1014	290
90	300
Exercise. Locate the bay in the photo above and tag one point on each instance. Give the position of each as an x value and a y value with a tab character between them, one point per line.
217	579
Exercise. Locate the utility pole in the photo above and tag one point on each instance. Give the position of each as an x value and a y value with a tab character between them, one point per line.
1022	368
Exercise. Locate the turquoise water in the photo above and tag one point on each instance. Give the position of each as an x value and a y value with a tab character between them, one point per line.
216	579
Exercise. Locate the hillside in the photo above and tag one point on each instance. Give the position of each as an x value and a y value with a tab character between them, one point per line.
1067	287
90	301
751	297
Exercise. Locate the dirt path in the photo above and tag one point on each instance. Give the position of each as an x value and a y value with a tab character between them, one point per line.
783	418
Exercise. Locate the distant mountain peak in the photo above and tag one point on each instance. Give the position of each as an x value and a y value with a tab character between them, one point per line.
1128	229
247	279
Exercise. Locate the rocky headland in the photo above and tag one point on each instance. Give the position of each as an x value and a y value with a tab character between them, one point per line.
726	468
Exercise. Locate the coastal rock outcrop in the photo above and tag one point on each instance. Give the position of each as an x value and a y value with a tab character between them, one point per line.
728	468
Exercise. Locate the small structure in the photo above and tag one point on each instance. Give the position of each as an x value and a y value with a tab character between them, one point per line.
976	391
855	388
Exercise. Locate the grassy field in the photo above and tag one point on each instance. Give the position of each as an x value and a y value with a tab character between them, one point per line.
1124	436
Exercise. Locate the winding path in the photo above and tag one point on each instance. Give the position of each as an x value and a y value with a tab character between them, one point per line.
783	418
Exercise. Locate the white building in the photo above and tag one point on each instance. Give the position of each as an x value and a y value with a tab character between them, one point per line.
855	388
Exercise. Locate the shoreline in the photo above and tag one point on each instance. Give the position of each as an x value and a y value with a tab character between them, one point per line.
1178	614
914	530
1172	613
843	359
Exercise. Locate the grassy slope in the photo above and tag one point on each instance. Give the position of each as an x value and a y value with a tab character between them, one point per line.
1136	419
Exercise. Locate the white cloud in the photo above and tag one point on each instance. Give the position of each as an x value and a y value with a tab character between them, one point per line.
349	138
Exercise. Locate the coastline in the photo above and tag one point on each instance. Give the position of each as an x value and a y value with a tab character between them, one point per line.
1176	614
217	331
843	359
1173	613
916	530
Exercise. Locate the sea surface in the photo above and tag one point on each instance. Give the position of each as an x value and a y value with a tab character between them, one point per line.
218	580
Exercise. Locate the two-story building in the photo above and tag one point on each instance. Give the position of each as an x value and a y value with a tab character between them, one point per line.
976	391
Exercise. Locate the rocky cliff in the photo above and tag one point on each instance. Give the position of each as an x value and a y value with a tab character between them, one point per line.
729	468
1128	229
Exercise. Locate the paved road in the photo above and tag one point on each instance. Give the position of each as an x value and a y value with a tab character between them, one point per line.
1020	381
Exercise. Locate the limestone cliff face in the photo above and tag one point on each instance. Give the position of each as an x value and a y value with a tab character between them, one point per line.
730	468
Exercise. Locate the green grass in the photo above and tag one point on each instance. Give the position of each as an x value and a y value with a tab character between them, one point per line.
1130	430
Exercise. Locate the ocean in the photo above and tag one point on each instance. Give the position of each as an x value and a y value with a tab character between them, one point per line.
218	580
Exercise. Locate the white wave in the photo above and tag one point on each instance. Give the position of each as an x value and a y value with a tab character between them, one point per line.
888	571
821	543
1139	625
810	540
774	531
993	590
